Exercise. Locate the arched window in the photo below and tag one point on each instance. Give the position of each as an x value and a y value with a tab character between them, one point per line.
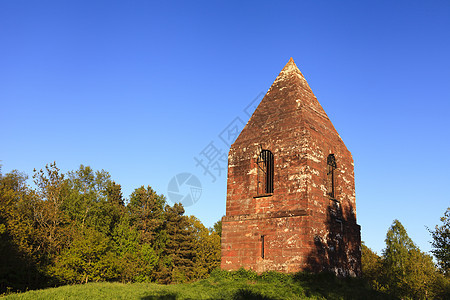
331	164
265	172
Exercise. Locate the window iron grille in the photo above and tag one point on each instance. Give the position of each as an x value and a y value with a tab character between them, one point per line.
265	172
331	164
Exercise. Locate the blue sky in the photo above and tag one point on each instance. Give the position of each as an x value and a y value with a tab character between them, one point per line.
140	88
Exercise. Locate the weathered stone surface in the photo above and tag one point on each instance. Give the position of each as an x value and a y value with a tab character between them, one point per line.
303	226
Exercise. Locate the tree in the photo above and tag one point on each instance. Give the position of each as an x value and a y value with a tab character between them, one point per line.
19	255
114	194
441	243
372	267
47	209
135	260
115	205
15	216
85	197
83	260
408	272
177	258
207	249
217	228
146	209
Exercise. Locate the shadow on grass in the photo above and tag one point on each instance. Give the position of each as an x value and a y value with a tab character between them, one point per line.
328	286
161	296
274	285
241	294
245	294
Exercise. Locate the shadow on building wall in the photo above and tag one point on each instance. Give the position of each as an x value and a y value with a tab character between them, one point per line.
338	248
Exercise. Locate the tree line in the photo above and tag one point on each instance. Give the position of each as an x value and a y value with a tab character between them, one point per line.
404	271
77	228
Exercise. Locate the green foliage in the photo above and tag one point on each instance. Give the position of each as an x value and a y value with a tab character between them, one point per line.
48	217
146	209
217	228
77	228
18	250
207	249
178	253
408	271
372	266
85	197
441	243
403	270
86	259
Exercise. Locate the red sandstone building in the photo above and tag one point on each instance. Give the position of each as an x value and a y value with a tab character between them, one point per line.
291	188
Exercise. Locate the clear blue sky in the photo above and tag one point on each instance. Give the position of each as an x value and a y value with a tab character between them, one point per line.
140	88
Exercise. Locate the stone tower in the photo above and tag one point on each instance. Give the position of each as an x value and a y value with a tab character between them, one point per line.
291	188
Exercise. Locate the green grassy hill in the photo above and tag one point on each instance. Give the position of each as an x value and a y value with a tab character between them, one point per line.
221	285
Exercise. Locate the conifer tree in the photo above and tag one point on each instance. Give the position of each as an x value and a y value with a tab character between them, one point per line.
177	264
146	209
408	272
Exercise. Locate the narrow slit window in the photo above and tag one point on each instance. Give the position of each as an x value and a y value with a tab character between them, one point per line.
331	180
262	246
265	172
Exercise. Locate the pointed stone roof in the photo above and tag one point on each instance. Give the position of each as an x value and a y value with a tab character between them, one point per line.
292	79
291	70
289	105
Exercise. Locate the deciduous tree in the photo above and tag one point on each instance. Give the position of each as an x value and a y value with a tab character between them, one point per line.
19	254
207	249
372	266
47	209
441	243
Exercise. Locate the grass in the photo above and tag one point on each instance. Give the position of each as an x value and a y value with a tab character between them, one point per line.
220	285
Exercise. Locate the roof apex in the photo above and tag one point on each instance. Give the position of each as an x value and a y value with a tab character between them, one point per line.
290	76
288	106
290	68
